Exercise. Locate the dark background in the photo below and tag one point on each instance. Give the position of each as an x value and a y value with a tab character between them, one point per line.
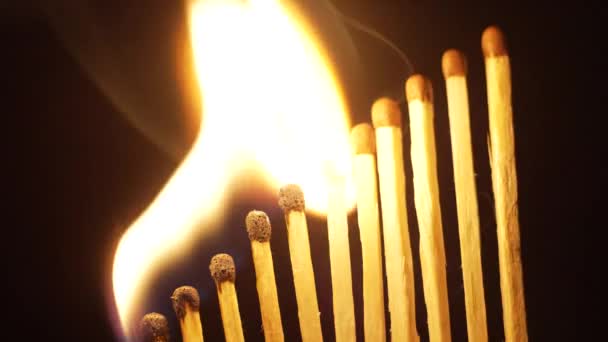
79	173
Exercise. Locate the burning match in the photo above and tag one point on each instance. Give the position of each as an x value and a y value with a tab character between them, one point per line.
224	273
291	200
274	143
259	231
186	304
154	328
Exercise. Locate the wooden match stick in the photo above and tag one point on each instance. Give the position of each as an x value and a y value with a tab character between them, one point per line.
291	200
154	328
426	198
364	170
339	257
454	70
386	118
223	272
259	231
504	183
186	304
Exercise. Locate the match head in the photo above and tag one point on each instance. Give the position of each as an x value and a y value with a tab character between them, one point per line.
222	268
182	296
386	112
154	328
363	139
453	63
493	42
418	87
258	226
291	198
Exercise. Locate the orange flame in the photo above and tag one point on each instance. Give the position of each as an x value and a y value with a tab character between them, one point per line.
271	102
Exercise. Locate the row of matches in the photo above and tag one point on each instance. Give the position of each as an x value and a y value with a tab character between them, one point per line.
378	169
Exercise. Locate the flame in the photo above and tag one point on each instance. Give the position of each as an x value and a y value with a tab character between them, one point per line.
271	102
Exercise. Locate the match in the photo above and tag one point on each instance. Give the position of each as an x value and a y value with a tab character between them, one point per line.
504	182
154	328
259	231
223	272
368	217
419	95
386	117
291	200
186	304
380	184
339	257
454	70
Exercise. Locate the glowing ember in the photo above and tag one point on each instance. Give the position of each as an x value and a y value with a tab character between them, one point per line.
271	102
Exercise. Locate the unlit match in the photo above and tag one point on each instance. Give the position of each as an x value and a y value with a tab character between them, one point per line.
186	304
364	170
454	70
291	200
154	328
339	258
224	273
504	183
259	231
426	198
386	117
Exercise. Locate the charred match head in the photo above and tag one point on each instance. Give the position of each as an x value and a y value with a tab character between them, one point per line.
493	42
182	296
291	198
453	63
154	328
418	87
222	268
386	112
258	226
363	139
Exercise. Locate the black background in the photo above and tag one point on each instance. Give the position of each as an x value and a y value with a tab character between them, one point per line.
79	173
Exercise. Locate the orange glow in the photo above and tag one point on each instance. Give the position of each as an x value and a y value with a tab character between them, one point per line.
271	103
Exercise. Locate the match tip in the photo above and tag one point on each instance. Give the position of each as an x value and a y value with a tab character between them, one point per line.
386	112
493	42
154	328
453	63
291	197
258	226
362	139
418	87
222	268
182	296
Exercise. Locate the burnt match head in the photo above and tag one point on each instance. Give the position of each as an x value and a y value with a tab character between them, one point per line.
418	87
258	226
154	328
291	198
363	139
493	42
182	296
453	63
386	112
222	268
